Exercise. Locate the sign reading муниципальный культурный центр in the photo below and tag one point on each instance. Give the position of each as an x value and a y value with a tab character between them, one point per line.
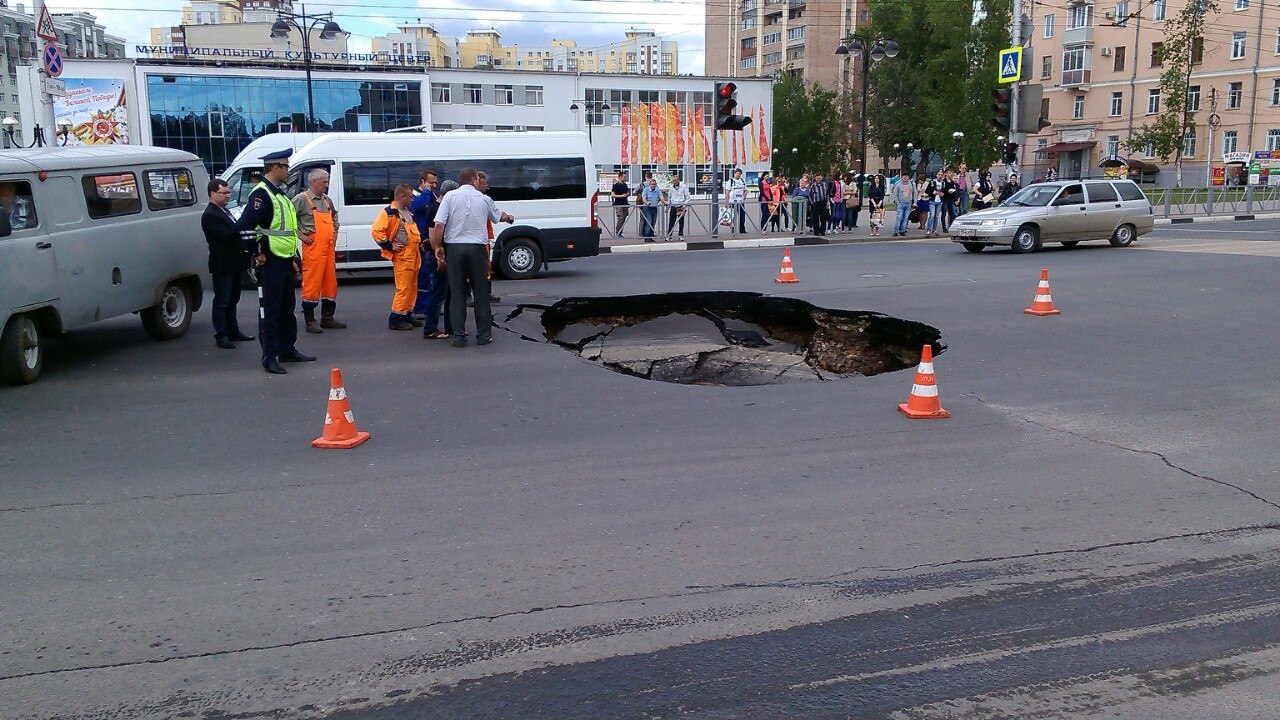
179	51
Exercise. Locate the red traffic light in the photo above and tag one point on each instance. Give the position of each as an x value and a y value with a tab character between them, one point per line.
726	90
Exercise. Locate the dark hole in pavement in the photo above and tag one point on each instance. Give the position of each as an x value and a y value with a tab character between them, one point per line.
725	338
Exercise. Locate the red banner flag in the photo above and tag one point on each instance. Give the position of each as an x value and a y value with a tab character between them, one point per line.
624	154
763	138
657	134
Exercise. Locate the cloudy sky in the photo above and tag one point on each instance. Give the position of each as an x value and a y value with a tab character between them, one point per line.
527	22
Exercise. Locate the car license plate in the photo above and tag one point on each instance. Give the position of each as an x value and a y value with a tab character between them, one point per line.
966	232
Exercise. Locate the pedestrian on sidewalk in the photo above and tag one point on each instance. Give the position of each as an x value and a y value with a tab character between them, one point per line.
318	231
433	280
875	197
678	201
652	198
736	197
853	200
764	196
781	218
962	180
819	202
984	193
950	200
904	201
621	195
934	191
922	199
800	204
1009	188
458	238
837	203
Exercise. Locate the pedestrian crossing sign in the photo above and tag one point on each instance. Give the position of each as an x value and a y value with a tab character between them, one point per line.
1011	65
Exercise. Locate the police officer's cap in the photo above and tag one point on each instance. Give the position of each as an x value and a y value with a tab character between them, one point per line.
279	156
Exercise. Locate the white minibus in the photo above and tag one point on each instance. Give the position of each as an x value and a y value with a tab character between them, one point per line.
545	179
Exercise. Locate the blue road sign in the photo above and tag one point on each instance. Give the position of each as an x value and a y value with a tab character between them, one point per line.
52	58
1011	65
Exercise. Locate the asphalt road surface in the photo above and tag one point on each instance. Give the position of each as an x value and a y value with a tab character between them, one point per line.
1093	533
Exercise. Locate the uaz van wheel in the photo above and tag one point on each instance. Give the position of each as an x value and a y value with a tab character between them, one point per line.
520	259
21	354
1123	236
171	317
1027	240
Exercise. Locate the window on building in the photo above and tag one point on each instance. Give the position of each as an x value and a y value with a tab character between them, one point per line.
483	60
169	188
1157	10
796	33
111	195
1277	50
1273	139
773	37
1046	67
1275	92
1237	45
1122	13
1197	50
1153	101
533	95
1077	107
1193	98
1189	144
1242	4
1235	95
216	129
748	23
472	94
864	15
1113	145
1044	107
504	94
1117	103
773	57
748	62
1230	140
1117	58
1157	49
1048	26
748	43
1080	16
1149	150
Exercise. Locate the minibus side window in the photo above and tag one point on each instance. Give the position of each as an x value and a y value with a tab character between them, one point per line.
169	188
111	195
17	210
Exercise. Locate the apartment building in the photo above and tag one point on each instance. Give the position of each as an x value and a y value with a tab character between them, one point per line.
216	12
642	52
1100	65
762	38
416	40
79	36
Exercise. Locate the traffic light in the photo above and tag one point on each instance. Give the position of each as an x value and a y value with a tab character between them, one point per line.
1030	120
727	106
1010	154
1000	108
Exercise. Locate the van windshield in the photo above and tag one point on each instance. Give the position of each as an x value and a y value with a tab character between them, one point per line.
1033	196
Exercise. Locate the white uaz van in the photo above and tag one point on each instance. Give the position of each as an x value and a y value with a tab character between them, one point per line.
89	233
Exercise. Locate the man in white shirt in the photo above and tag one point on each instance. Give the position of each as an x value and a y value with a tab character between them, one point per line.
736	196
460	235
678	200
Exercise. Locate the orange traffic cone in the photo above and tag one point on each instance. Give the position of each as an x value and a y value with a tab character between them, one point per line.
786	274
923	402
339	424
1042	303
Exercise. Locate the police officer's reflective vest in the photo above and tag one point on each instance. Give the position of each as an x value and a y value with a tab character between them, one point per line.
282	236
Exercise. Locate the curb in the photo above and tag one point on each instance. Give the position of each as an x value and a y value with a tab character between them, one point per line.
808	240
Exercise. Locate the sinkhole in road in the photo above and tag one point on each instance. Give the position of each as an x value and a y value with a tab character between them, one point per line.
725	338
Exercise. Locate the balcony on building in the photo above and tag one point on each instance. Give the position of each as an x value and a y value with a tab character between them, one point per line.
795	3
1079	79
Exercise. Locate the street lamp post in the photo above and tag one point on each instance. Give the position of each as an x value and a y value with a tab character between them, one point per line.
304	24
593	107
870	49
11	126
956	138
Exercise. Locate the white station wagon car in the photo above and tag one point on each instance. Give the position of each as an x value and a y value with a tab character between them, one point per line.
1065	211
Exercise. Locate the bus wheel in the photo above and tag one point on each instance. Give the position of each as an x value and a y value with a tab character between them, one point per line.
520	259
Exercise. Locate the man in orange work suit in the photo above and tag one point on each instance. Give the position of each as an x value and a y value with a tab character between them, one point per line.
397	235
318	230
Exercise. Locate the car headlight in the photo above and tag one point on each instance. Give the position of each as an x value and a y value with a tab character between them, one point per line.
994	222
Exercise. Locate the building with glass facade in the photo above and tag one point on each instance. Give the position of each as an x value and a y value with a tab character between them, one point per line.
215	110
215	117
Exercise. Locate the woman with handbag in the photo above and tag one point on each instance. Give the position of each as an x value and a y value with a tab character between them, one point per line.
837	203
984	194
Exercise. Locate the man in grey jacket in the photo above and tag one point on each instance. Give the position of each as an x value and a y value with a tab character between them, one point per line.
904	198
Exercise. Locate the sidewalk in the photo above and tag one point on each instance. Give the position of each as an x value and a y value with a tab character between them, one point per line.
860	234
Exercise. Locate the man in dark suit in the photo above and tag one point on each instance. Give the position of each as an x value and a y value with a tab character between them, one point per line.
227	260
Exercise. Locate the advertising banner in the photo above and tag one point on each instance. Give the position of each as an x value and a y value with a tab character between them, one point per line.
97	110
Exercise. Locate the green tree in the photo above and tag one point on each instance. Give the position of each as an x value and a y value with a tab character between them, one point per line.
1183	44
805	117
941	81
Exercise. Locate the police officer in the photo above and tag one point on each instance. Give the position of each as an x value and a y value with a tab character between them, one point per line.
269	229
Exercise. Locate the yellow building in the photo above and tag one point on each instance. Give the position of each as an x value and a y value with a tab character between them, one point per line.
642	53
417	41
